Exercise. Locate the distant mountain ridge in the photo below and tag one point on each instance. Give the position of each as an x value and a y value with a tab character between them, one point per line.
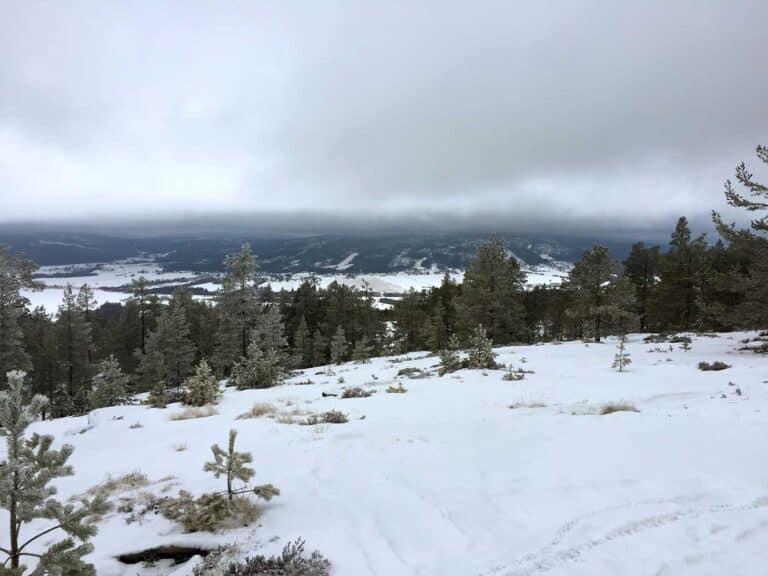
320	254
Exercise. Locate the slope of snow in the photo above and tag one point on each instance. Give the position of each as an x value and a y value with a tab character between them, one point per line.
346	264
447	480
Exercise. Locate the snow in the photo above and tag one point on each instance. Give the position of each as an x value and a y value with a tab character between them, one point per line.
108	279
346	264
447	480
50	298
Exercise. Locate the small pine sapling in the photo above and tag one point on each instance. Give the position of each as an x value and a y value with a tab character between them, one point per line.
234	466
449	357
513	374
480	353
622	359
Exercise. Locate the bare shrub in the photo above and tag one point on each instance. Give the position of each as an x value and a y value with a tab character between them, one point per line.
330	417
292	562
356	392
714	366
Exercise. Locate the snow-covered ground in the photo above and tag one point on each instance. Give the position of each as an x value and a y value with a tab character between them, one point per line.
447	479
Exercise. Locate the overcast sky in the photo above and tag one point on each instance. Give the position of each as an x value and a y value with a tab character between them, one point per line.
581	115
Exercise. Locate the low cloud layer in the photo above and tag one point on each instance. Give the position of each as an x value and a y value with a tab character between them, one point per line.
601	115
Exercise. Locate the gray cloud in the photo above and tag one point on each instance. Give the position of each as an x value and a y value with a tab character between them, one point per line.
589	115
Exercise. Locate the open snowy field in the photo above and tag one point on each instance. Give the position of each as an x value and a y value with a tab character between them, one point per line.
108	277
448	479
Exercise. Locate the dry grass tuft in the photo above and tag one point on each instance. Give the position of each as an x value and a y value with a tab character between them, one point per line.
612	407
258	410
518	405
192	412
114	485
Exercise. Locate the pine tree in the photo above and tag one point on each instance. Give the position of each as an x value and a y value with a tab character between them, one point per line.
449	356
15	274
600	294
231	464
86	302
492	293
622	359
642	267
145	303
75	344
237	308
748	274
25	493
109	385
258	369
170	352
158	395
319	348
480	352
435	331
202	387
678	299
362	351
39	335
269	333
302	345
338	346
264	363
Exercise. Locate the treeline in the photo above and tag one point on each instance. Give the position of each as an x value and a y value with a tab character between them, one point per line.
689	286
83	357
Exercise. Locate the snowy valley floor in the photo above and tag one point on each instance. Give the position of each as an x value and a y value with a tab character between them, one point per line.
447	479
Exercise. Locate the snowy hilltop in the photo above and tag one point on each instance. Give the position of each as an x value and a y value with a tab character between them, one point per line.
554	462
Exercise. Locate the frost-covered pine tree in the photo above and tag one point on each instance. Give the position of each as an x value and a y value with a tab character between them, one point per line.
362	351
29	466
449	356
109	385
202	387
480	353
338	346
258	369
622	359
264	363
15	274
231	464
